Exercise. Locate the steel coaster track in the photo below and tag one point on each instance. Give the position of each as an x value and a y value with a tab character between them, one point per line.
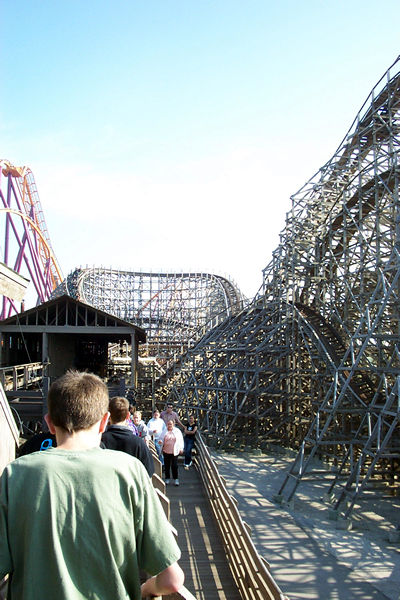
26	244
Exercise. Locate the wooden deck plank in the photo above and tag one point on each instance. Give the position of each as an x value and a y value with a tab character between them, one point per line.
203	560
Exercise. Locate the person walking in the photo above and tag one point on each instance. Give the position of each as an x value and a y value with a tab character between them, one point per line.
141	426
169	413
172	440
118	436
190	434
156	427
129	420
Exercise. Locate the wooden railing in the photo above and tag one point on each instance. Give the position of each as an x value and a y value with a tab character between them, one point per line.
250	570
9	435
21	376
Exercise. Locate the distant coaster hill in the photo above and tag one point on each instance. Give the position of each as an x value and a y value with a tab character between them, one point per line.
175	309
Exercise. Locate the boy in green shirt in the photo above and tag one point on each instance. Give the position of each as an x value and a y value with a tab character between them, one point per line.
76	524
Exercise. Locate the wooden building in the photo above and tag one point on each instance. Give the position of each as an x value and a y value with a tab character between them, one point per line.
63	334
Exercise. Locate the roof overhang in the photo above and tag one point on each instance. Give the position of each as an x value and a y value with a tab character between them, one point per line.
67	315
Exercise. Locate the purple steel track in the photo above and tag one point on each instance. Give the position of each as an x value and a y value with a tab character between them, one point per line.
26	244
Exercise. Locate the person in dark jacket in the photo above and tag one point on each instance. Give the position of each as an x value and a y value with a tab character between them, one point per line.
119	437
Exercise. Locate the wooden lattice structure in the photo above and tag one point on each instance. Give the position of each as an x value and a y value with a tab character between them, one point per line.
313	362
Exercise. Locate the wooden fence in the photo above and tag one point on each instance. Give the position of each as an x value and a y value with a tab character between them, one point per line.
250	571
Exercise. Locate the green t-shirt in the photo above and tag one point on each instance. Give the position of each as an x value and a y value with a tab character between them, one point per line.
80	526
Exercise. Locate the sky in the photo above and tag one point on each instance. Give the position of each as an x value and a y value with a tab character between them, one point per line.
170	135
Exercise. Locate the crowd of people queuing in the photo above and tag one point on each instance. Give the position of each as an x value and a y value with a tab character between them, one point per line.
90	507
171	437
128	432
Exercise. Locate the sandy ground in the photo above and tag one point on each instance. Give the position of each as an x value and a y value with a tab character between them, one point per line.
310	556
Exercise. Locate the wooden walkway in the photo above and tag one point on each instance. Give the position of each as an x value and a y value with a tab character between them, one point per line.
207	574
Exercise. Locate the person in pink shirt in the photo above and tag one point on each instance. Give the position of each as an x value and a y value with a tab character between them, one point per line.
172	447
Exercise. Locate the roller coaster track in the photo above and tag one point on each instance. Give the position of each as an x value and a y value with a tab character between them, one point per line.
313	363
174	308
27	248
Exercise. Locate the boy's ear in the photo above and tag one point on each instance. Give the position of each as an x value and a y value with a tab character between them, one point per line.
50	425
103	422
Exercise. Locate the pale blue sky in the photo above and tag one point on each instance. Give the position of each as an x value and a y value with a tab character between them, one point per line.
169	135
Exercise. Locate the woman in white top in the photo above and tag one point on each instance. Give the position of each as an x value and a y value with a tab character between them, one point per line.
172	446
155	428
